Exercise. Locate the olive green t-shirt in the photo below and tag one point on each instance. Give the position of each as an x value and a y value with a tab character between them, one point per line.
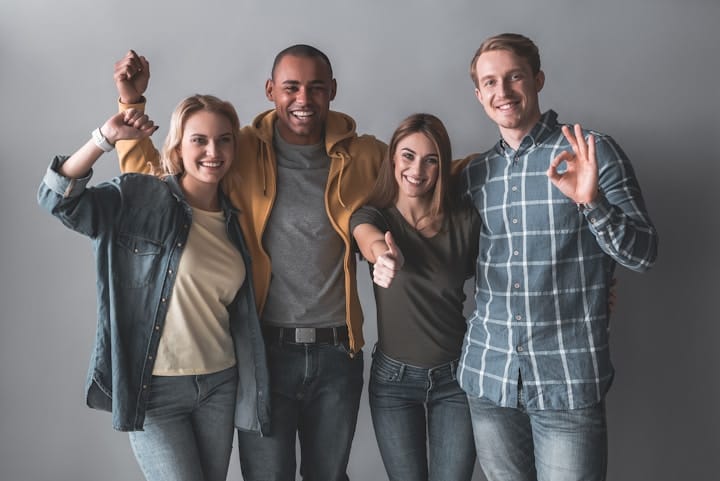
420	316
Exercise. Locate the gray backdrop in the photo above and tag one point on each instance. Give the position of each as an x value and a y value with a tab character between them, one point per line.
644	71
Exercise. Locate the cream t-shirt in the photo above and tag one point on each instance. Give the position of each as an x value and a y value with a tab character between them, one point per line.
196	337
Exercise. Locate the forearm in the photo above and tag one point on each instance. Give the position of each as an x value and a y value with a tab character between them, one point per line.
624	232
619	219
370	241
79	164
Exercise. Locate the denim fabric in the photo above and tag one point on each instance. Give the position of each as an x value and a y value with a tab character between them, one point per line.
188	428
315	395
421	420
540	445
139	225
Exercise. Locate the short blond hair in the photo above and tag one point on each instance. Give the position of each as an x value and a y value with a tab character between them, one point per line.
518	44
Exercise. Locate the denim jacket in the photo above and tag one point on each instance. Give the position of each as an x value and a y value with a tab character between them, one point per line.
139	225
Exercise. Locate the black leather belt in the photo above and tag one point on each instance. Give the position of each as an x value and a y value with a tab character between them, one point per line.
306	335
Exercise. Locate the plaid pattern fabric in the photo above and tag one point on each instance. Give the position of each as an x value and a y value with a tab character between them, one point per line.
544	271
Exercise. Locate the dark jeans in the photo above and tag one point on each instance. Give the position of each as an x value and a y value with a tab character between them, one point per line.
315	395
422	421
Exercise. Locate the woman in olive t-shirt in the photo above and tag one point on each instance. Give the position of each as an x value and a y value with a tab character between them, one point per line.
422	243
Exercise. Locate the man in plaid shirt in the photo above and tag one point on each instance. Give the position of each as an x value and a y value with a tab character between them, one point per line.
560	208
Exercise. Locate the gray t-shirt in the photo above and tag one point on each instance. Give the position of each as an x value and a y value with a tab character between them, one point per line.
420	316
307	287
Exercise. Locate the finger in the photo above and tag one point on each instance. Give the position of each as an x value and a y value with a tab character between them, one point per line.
591	150
570	138
386	261
580	142
392	247
128	115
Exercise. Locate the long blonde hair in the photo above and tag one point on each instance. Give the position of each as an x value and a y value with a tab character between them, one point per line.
170	160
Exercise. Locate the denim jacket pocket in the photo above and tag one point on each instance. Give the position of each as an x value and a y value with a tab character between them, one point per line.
135	260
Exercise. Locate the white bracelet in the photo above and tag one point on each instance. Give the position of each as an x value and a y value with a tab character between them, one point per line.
101	141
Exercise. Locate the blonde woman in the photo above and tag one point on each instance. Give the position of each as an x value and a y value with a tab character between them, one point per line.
178	335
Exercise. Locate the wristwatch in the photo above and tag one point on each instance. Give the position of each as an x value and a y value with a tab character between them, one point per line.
101	141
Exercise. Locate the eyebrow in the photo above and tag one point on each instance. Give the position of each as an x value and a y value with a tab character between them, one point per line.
297	82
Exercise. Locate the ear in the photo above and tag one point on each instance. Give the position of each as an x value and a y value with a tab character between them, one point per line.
333	89
539	81
478	94
269	85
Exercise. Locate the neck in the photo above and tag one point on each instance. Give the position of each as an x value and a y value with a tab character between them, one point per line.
204	196
514	136
416	211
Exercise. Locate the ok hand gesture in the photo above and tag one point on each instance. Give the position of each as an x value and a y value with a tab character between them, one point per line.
579	181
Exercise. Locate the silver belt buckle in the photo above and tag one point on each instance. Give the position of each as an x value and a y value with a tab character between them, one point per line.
304	335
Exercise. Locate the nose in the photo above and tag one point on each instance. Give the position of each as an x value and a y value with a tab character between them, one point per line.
505	87
211	148
301	96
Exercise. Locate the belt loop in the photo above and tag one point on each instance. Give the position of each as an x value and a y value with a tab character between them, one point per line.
335	336
281	331
401	371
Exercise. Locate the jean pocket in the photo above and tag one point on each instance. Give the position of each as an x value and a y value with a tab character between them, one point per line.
385	372
136	259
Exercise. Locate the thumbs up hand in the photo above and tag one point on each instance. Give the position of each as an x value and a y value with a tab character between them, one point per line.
388	263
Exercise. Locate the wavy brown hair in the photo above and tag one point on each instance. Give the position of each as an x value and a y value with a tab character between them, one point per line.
385	192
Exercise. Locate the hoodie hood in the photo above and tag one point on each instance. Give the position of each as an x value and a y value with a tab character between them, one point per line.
338	128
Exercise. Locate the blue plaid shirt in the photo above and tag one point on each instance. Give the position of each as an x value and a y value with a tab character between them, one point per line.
544	272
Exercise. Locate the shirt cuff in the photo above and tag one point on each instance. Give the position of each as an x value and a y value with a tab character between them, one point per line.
598	213
61	185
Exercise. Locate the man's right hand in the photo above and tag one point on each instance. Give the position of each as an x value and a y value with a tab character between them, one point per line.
132	74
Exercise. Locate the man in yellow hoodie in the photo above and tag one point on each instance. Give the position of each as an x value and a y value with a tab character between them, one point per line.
302	171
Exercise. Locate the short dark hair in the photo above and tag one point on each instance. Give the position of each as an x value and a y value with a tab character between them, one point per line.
301	50
518	44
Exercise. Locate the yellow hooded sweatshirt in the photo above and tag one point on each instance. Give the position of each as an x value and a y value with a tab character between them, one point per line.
251	185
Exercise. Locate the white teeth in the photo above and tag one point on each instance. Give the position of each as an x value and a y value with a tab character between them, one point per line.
413	181
303	114
211	164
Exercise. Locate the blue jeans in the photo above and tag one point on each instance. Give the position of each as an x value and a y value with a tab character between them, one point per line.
188	429
315	396
527	444
421	420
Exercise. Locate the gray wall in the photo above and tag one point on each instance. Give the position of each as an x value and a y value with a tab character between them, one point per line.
644	71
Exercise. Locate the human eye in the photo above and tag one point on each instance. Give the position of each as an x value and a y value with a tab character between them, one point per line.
408	155
432	160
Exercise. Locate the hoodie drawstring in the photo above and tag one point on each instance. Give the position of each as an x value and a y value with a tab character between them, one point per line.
340	178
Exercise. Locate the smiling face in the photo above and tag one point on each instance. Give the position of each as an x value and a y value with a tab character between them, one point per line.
301	89
207	150
508	91
416	162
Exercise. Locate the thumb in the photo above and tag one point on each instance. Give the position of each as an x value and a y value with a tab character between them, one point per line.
392	247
